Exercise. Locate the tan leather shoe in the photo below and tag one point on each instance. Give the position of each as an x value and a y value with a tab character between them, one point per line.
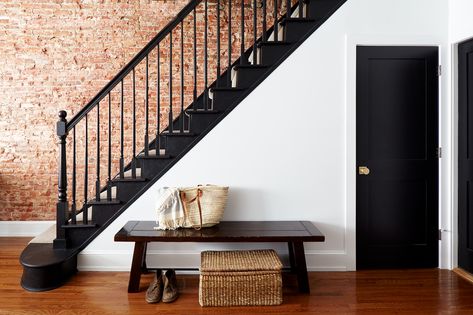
170	286
155	289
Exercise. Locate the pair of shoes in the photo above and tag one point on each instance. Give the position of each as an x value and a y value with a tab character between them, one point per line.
163	286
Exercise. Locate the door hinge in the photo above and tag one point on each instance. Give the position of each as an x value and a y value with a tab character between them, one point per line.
439	152
439	70
440	234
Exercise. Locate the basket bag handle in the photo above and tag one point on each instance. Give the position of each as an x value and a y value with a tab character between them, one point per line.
185	202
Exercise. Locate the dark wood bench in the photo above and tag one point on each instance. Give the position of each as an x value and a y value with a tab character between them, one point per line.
294	233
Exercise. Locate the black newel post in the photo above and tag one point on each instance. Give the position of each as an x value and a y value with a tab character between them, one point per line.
62	209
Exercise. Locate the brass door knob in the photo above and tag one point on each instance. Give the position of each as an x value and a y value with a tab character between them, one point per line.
363	170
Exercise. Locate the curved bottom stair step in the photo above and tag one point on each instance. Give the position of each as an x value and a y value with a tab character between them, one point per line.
45	268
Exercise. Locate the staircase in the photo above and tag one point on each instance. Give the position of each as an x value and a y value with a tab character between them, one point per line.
186	79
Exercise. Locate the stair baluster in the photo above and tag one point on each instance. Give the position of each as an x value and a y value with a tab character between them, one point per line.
275	3
218	43
146	140
109	173
182	77
194	91
206	83
97	180
265	31
85	217
133	160
122	161
255	30
170	126
229	68
242	31
74	205
158	101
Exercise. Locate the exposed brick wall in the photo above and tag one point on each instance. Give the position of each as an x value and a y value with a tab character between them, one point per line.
58	55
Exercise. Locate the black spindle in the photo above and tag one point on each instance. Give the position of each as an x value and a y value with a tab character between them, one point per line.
133	164
229	68
182	76
264	23
206	101
146	108
288	8
74	175
122	160
170	127
194	94
255	30
158	101
97	179
301	7
275	20
242	35
85	216
109	175
218	42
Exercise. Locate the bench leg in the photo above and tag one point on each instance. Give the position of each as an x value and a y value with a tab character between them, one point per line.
139	260
292	262
301	267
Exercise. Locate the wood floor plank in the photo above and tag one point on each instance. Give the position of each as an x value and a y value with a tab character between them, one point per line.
423	291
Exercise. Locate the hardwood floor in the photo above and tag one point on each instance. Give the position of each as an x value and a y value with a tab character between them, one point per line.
426	291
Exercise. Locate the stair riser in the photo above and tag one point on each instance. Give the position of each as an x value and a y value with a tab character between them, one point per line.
246	77
271	54
294	31
78	236
126	190
222	99
319	8
102	213
153	167
175	145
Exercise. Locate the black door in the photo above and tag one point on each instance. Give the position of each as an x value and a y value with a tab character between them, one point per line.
465	156
397	163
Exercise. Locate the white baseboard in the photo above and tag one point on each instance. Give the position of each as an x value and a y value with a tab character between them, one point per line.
23	228
121	260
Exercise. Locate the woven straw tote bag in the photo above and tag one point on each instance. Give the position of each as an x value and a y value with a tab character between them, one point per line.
203	205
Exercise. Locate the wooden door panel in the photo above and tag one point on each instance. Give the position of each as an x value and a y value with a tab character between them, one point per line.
397	139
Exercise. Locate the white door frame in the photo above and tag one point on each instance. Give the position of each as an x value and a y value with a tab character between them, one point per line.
446	135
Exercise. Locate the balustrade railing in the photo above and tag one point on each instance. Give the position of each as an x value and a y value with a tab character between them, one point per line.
188	56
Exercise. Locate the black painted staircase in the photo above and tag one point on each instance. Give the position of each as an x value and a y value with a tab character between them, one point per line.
49	263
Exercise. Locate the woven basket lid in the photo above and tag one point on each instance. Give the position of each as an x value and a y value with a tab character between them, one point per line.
243	260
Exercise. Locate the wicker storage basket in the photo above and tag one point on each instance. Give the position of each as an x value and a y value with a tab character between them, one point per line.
203	205
234	278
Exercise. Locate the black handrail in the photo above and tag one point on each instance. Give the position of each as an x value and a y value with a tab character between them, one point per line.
133	63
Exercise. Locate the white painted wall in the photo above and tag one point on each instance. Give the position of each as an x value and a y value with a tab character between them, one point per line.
292	156
460	29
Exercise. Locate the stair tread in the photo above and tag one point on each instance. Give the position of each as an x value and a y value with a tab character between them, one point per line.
297	20
152	155
202	111
272	43
127	176
104	201
178	133
37	255
231	89
79	225
250	66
